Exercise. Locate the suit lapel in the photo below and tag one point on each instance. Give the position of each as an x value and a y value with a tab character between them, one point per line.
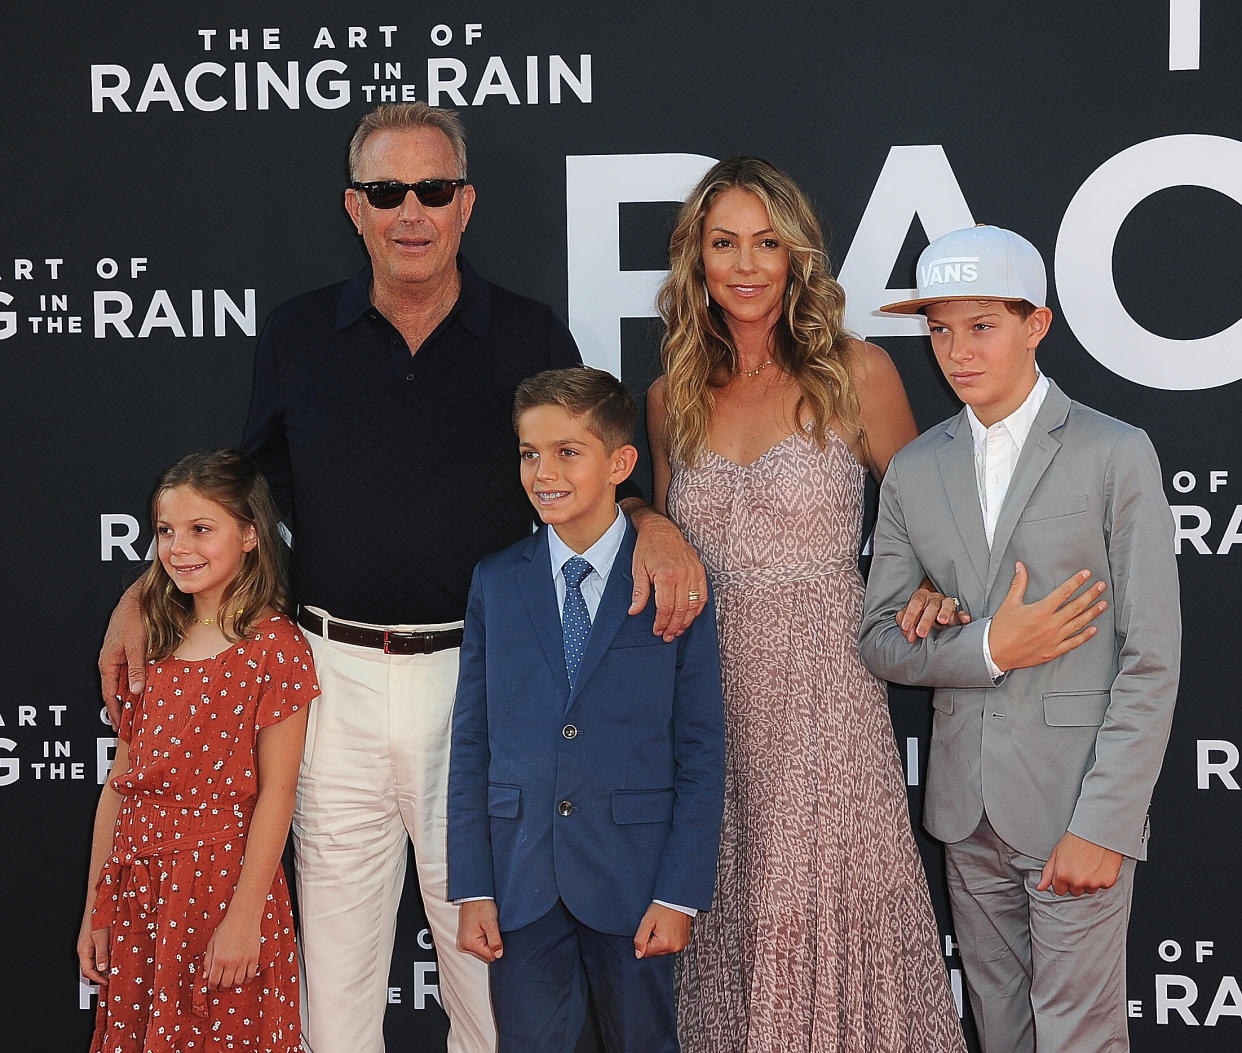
614	607
534	583
1037	453
957	472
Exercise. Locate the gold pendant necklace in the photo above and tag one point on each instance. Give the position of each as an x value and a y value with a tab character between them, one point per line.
756	371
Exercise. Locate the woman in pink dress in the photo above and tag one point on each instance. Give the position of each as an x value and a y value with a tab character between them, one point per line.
762	430
188	928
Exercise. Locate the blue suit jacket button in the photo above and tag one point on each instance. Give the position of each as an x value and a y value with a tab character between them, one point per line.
569	731
565	808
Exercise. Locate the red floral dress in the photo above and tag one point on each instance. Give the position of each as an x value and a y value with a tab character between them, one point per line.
178	847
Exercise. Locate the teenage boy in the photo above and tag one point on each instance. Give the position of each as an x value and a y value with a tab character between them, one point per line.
586	779
1050	717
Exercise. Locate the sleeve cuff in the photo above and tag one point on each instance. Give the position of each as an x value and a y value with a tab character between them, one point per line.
998	674
677	907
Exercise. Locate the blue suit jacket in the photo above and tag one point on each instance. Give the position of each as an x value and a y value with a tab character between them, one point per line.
635	753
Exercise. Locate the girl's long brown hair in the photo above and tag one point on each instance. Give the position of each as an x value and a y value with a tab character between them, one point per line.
234	482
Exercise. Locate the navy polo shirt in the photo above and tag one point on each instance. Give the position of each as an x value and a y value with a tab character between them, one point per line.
397	472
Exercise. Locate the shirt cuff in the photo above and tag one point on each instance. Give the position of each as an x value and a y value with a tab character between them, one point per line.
998	674
471	899
674	906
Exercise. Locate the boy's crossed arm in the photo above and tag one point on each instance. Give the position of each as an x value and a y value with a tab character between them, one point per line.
1019	634
1029	634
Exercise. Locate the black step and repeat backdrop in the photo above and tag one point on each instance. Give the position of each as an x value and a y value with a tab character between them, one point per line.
172	174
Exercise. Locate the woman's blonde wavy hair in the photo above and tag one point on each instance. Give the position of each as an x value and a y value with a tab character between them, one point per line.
808	342
233	481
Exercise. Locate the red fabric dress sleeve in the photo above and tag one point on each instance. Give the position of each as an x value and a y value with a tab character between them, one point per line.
289	683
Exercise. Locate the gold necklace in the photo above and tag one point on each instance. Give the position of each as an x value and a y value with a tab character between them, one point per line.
756	371
212	621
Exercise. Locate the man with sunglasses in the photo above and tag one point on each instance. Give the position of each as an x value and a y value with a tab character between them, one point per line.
381	417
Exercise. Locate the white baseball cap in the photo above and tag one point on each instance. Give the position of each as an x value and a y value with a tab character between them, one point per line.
977	263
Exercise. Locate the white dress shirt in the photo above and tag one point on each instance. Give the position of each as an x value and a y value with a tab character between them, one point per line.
997	449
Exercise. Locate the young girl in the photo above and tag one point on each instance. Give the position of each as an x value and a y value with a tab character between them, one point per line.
188	927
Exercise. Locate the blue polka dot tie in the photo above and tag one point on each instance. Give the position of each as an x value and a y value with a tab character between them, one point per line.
575	620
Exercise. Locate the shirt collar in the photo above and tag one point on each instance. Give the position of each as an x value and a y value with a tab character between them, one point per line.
473	306
601	555
475	302
355	298
1019	423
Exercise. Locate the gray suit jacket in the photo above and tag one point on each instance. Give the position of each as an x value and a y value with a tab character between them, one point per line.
1074	744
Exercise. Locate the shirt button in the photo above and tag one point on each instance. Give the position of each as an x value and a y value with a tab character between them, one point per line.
409	376
569	731
565	808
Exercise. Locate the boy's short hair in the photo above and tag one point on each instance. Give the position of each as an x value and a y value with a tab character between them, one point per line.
1022	308
595	396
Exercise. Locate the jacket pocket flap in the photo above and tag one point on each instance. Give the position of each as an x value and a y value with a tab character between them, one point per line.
502	800
1075	709
1054	509
942	699
642	806
644	638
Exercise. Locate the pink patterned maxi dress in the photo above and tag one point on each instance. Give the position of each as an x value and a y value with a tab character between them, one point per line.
822	936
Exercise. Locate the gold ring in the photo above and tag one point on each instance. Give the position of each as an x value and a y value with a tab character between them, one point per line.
694	596
957	604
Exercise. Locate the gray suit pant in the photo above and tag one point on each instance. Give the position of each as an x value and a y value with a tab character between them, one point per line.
1044	972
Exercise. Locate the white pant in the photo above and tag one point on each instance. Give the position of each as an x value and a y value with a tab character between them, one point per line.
375	769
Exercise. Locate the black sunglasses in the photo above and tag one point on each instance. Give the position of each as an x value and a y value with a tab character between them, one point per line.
389	193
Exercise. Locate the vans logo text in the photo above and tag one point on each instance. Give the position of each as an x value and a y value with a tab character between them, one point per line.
949	269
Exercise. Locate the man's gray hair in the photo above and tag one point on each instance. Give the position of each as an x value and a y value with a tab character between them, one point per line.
398	115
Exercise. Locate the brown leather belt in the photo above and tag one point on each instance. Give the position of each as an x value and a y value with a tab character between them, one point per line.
386	640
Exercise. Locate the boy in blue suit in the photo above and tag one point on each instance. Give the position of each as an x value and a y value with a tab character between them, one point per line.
586	780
